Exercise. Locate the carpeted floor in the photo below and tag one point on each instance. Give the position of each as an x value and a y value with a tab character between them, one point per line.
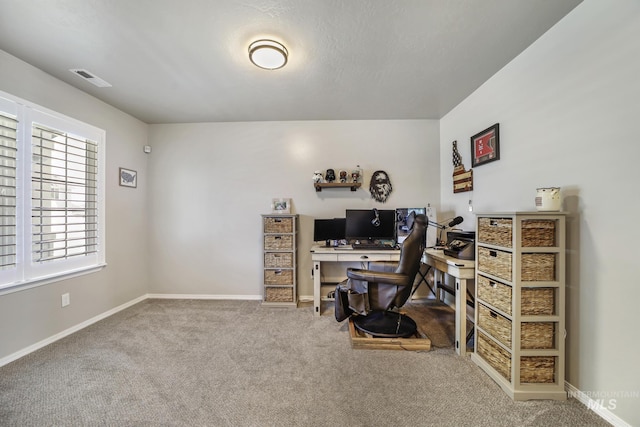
237	363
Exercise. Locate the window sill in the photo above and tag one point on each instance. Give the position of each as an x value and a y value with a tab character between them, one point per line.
40	281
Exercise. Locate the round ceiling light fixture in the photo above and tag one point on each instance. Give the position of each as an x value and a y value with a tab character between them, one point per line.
268	54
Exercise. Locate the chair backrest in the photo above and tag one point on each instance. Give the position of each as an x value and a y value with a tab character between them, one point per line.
410	255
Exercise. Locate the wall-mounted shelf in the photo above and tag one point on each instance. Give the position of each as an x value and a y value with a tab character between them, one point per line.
352	185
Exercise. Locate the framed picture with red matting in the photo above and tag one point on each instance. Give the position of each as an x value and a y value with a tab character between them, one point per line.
485	146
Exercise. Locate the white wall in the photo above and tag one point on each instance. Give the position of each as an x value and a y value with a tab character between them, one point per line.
568	111
29	316
210	183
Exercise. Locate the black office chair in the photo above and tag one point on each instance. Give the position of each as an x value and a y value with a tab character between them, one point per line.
369	296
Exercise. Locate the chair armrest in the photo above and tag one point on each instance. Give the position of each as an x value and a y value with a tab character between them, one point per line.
396	279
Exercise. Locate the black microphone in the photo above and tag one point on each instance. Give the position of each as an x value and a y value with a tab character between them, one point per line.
376	221
455	221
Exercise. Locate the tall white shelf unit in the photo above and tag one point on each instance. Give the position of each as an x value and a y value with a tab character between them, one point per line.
520	302
279	233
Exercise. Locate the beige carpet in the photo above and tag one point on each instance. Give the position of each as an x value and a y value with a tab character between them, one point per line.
238	363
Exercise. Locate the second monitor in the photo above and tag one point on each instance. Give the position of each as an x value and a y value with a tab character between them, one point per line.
370	224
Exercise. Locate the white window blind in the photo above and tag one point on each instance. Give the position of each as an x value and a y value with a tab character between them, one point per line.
51	195
8	150
64	184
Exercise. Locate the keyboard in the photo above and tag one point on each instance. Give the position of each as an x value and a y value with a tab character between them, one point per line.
371	246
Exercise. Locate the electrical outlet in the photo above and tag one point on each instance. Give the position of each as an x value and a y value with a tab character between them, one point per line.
66	300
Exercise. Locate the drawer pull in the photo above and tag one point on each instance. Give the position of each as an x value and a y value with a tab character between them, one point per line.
364	257
278	272
277	237
277	220
493	253
493	314
493	285
493	223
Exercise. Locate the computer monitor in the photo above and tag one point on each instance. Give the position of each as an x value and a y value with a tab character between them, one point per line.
328	229
370	224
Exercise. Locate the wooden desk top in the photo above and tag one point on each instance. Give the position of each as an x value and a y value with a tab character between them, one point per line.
460	268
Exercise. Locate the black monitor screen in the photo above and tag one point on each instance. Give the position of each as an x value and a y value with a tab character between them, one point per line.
328	229
363	224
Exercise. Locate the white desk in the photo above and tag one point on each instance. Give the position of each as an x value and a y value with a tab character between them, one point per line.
322	254
462	271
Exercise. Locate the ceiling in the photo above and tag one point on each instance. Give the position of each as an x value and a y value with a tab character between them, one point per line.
178	61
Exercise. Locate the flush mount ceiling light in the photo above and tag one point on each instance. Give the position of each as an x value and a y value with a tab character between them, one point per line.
268	54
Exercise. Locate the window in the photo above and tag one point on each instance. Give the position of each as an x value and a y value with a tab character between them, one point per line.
51	195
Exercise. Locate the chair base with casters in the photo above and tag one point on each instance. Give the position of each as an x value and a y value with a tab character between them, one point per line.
386	324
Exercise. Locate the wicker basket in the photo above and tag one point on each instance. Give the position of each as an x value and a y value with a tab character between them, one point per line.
278	242
496	356
537	369
278	260
538	232
537	335
495	262
495	231
278	277
498	326
278	294
537	301
495	293
538	267
278	225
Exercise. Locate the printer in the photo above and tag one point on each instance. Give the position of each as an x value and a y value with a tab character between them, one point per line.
461	245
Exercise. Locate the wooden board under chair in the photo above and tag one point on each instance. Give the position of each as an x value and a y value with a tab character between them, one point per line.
363	341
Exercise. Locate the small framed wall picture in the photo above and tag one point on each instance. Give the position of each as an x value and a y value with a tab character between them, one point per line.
128	178
485	146
282	206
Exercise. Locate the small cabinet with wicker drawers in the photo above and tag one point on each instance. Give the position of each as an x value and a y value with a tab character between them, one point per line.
279	232
520	299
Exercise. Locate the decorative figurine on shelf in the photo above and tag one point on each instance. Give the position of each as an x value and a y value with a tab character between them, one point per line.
317	177
355	175
330	176
343	176
380	186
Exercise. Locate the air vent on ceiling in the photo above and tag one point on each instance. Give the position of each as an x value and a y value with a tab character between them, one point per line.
90	77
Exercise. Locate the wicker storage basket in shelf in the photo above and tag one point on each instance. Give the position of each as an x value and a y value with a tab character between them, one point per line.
278	242
498	326
537	369
495	231
538	302
278	277
496	356
537	335
278	260
538	233
495	262
538	267
278	294
495	293
278	225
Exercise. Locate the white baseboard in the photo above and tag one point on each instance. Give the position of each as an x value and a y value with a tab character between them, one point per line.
21	353
597	407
